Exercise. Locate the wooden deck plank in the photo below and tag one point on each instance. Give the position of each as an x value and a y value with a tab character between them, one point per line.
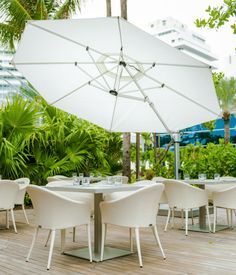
199	253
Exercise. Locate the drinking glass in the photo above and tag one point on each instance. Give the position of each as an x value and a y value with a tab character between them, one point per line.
110	180
75	180
85	181
202	176
118	180
81	175
216	176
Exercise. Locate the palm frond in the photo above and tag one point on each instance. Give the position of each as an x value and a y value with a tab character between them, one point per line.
67	9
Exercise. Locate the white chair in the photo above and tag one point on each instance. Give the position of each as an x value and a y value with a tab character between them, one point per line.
78	196
224	199
8	194
53	211
185	197
23	183
138	209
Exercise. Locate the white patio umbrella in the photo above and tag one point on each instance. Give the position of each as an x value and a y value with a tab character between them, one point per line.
115	75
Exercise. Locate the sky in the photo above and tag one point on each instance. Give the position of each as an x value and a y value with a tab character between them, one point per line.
222	42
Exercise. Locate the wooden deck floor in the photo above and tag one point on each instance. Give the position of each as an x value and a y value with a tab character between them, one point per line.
199	253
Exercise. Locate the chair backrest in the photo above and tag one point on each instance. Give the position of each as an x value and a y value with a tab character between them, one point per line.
144	182
57	183
225	198
158	179
8	193
58	178
163	199
183	195
54	211
135	210
23	183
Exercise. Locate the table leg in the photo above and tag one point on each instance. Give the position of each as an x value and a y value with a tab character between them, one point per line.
98	197
109	252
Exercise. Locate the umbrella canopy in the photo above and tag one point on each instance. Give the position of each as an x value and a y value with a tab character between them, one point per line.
115	75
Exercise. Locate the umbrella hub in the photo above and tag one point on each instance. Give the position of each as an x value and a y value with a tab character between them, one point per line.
106	63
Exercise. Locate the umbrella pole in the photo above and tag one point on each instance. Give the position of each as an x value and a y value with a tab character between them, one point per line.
176	138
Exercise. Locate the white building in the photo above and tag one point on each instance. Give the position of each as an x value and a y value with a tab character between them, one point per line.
10	79
179	36
228	66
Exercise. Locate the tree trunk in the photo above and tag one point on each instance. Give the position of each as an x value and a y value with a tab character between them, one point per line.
226	118
137	155
123	9
126	155
155	147
108	5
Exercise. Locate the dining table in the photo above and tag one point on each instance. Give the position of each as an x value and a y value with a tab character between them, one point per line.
99	190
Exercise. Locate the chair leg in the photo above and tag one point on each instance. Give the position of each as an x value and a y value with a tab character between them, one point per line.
63	237
214	221
138	246
173	217
33	242
154	229
74	234
192	216
51	248
103	240
26	218
168	219
231	217
48	238
186	222
7	219
182	217
89	243
228	218
13	220
208	218
131	239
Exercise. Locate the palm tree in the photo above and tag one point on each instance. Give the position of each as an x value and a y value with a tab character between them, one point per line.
226	92
15	13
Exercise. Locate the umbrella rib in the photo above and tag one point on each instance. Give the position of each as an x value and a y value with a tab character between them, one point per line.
89	75
131	97
81	86
173	65
118	71
61	63
69	39
90	55
146	99
97	87
146	89
182	95
131	81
